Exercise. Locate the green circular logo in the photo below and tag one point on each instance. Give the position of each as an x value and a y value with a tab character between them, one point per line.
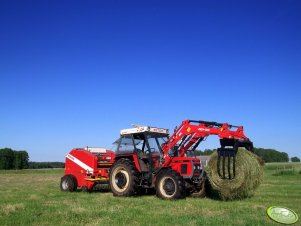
282	215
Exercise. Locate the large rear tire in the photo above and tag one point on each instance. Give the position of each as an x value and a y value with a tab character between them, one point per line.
68	183
170	185
124	178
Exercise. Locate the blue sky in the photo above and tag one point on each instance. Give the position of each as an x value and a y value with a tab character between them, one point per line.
73	73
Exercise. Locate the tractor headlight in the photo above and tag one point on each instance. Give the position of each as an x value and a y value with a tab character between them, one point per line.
196	167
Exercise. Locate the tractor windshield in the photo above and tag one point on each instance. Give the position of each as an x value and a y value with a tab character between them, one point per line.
154	147
161	141
155	143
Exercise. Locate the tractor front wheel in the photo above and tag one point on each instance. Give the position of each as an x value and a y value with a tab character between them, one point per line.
170	185
124	178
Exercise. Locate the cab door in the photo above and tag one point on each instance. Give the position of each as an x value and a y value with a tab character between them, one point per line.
155	151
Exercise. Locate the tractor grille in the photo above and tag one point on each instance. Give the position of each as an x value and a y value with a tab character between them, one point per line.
196	169
184	169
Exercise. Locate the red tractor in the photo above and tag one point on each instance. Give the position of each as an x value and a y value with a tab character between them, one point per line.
148	158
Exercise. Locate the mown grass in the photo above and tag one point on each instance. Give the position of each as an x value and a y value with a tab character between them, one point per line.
32	197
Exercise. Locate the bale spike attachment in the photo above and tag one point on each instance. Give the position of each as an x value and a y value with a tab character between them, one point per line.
227	156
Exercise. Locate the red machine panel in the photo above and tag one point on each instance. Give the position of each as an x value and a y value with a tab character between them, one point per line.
89	167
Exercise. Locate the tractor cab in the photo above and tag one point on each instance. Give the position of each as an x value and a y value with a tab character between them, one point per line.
142	144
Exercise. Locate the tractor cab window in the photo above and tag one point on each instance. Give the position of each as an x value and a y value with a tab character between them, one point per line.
161	141
114	148
153	144
126	145
140	145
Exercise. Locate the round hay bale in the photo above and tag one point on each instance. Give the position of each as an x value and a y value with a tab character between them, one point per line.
249	174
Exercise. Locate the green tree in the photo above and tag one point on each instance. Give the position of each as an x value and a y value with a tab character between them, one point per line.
10	159
295	159
24	158
7	158
17	159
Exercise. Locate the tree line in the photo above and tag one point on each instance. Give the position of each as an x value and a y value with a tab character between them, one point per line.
268	155
11	159
43	165
271	155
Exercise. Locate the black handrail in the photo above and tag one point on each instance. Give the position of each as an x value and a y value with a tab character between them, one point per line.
208	123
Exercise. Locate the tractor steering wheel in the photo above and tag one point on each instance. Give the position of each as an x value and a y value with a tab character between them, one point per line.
139	151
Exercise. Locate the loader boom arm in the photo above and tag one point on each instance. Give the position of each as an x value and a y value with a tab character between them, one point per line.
191	132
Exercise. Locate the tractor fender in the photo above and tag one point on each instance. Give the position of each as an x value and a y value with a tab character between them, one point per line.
132	158
156	174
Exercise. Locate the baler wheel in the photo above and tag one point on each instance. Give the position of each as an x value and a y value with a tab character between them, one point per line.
170	185
75	183
124	178
68	183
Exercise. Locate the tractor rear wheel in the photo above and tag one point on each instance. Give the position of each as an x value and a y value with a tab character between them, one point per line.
170	185
124	178
68	183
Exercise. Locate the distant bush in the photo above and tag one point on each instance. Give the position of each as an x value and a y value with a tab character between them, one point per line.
295	159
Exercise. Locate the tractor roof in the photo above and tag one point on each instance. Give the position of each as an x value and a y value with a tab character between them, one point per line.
142	129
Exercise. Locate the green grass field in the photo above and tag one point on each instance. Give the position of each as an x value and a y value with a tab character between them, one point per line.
33	197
